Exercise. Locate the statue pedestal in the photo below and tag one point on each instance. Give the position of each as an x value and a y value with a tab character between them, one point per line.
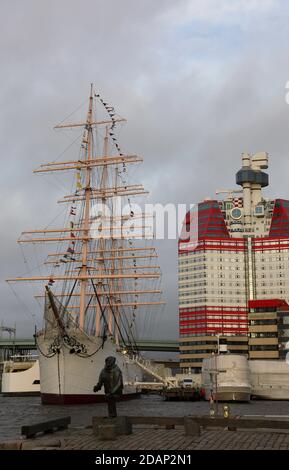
107	432
191	427
118	426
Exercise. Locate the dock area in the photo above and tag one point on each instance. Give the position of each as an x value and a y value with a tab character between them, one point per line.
156	435
158	438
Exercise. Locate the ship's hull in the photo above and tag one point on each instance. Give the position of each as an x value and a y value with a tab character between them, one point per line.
71	399
20	379
233	393
270	379
227	377
67	377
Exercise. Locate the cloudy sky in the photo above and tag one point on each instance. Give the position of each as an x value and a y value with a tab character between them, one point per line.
199	81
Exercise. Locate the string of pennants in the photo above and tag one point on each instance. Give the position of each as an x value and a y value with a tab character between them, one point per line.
68	256
111	112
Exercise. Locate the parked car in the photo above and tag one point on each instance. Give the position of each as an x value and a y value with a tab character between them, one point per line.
187	382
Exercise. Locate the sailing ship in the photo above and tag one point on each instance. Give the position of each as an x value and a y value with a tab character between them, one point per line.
101	280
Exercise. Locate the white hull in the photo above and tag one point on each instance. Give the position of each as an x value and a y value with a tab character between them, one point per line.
270	379
19	378
67	377
232	380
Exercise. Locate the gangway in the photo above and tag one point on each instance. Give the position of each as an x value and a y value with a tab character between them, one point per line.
147	366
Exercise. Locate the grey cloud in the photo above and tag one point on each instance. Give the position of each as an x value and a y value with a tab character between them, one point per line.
192	103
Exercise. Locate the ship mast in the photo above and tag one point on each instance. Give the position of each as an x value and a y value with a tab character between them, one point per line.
103	268
101	243
87	192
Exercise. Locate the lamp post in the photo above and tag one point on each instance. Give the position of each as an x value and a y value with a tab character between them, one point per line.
214	378
216	375
214	381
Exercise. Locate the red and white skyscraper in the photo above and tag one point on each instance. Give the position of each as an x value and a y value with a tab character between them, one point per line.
240	254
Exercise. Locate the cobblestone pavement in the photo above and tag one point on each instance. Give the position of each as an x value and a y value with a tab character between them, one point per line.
16	412
145	438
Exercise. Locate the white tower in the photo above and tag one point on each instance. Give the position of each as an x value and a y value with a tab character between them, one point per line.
252	180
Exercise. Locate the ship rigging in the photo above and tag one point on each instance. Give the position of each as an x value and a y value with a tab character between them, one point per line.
103	271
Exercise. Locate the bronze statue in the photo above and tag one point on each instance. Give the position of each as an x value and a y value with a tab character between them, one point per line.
111	378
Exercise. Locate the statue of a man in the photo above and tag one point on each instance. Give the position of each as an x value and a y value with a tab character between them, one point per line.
111	378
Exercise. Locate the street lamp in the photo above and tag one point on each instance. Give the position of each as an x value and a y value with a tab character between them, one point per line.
218	343
214	378
216	374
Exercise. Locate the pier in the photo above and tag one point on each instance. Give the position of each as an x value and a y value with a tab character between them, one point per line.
159	437
157	425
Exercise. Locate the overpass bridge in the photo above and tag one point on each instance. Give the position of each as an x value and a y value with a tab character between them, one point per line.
157	345
10	346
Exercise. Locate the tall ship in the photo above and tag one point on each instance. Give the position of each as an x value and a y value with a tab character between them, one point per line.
100	282
233	275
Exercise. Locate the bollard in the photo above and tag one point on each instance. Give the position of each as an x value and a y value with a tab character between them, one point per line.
212	407
226	411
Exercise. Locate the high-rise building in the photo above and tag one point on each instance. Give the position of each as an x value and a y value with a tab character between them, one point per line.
231	251
268	329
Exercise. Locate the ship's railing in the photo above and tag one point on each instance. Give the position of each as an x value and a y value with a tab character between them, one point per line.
23	358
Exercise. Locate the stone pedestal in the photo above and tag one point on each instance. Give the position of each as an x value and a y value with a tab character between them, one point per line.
192	428
107	432
121	425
